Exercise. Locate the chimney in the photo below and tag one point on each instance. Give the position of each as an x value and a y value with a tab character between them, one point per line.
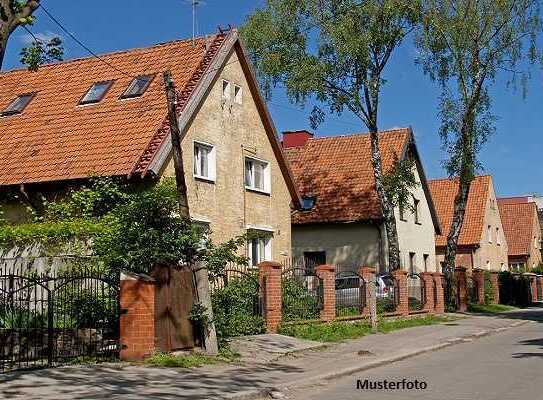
296	138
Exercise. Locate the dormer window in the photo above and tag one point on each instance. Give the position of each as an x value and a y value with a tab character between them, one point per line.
138	86
18	105
308	202
96	93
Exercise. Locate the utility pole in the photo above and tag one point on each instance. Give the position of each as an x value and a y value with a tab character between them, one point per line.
181	185
203	290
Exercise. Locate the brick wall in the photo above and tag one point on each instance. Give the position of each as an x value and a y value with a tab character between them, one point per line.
439	304
428	282
495	287
479	279
328	275
270	284
403	302
137	321
462	289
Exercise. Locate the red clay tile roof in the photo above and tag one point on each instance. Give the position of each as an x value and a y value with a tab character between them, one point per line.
55	139
518	223
444	192
338	171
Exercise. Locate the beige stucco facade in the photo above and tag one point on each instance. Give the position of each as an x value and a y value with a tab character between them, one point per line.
491	251
235	131
364	243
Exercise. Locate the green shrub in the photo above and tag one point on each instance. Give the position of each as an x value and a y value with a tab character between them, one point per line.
19	318
234	309
298	303
385	305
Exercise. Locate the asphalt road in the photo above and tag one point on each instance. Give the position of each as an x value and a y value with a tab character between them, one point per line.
507	365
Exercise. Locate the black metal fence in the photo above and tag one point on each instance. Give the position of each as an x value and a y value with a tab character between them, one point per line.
386	293
416	292
302	293
56	310
350	292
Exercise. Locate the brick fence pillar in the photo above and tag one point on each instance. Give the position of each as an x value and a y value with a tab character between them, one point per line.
533	286
439	303
400	276
461	289
137	320
368	275
428	282
539	283
328	275
495	287
270	285
479	279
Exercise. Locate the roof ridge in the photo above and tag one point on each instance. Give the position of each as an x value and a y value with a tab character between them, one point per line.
354	134
112	53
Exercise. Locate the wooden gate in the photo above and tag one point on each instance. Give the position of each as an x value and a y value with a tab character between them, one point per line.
176	291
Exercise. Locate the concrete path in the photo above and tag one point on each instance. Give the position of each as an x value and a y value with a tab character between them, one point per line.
498	367
255	379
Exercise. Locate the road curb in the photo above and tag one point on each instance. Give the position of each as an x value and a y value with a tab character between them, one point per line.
319	379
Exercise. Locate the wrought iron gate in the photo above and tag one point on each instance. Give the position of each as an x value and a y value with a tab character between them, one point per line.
57	316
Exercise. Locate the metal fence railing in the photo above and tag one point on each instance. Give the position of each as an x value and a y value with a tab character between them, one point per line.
416	292
302	294
386	293
350	292
54	310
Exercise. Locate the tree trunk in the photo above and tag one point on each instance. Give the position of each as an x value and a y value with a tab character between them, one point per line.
460	201
3	45
387	209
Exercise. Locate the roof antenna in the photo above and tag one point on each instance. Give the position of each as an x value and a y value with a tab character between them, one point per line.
195	3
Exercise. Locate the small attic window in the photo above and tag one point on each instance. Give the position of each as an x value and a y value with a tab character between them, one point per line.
308	202
18	105
96	93
138	86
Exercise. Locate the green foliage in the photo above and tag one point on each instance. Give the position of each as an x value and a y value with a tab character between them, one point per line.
343	330
514	289
234	309
385	305
193	360
538	270
464	45
489	308
298	303
21	318
41	52
400	182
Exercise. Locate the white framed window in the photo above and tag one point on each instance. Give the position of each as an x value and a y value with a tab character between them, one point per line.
498	239
226	89
489	233
204	161
238	94
259	250
257	175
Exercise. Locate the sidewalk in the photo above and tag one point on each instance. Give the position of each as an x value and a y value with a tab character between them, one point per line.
252	380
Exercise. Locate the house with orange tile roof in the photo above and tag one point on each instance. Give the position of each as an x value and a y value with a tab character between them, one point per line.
107	116
521	227
482	242
341	220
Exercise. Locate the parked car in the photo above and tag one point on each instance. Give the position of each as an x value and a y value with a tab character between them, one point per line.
348	290
384	287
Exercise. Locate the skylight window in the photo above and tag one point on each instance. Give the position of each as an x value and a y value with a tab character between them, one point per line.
96	93
18	105
308	202
138	86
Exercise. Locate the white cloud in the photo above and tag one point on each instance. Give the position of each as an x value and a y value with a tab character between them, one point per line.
46	36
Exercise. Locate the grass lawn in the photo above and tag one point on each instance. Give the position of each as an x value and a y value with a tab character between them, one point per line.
489	308
342	330
192	360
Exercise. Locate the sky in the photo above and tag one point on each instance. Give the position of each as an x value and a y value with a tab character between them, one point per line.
512	156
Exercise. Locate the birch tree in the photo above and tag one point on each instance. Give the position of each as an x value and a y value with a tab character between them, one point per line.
466	46
15	14
335	52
